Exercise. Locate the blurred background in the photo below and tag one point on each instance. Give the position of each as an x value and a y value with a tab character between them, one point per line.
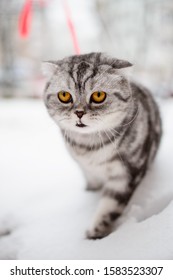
140	31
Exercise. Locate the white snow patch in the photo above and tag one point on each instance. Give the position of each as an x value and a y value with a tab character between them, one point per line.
45	210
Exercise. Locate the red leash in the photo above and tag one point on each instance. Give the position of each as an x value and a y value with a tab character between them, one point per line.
25	20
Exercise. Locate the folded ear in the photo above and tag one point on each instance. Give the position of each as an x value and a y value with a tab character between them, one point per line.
49	67
118	64
114	62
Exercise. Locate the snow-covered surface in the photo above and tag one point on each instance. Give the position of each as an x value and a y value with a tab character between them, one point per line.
45	210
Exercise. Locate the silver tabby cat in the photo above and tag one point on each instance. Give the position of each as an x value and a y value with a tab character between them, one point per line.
111	127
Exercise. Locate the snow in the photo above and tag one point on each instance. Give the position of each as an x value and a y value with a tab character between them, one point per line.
44	208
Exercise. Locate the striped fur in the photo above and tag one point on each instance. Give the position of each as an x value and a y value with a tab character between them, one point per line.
120	137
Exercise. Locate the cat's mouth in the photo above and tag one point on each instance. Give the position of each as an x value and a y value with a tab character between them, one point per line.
80	124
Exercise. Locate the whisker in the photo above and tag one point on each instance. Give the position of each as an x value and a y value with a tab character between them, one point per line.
111	128
63	119
102	145
132	119
93	142
116	148
116	131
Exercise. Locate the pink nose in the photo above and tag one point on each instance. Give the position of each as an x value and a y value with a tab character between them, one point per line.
79	114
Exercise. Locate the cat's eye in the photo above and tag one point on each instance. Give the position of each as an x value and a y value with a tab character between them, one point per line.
98	97
64	96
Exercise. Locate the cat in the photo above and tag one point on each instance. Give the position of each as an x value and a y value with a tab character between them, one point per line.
112	128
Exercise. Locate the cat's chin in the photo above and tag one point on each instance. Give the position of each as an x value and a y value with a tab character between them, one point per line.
82	129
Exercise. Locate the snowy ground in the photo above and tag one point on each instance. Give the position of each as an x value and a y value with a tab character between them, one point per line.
44	209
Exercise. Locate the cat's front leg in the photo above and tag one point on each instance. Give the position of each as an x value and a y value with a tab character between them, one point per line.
93	183
116	195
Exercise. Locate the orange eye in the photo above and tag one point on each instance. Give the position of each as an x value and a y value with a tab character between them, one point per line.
98	96
64	96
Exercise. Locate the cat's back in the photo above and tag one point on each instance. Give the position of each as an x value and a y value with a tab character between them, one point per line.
145	98
148	119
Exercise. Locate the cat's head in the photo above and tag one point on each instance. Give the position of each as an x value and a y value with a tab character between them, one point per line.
87	93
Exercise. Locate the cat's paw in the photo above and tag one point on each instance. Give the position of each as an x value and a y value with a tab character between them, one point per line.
102	226
98	232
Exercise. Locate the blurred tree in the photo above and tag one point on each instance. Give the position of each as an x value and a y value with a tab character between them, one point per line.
7	46
142	32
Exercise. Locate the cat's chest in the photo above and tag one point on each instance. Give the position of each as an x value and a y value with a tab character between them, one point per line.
91	156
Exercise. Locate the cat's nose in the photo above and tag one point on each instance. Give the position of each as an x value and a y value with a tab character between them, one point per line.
79	113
